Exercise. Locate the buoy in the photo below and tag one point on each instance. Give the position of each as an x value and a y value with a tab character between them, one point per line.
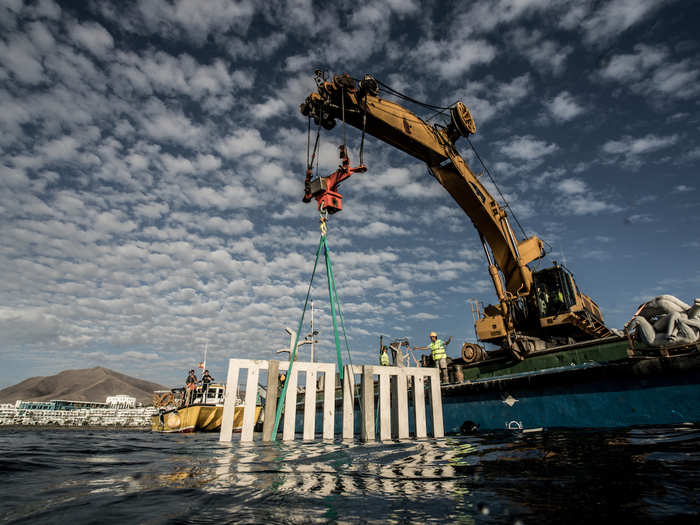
174	420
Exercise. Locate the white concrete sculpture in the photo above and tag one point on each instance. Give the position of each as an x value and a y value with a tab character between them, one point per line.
666	320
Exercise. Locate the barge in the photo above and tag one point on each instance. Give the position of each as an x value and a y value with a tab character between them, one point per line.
601	383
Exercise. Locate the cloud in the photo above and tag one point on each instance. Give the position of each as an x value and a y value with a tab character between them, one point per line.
151	210
231	196
632	149
261	47
571	186
211	83
109	222
651	70
452	60
578	199
170	125
693	153
638	146
548	56
616	16
639	218
633	66
488	98
682	188
679	80
182	18
272	107
92	37
564	107
596	254
13	177
242	142
590	205
483	17
528	148
23	60
379	229
424	316
28	326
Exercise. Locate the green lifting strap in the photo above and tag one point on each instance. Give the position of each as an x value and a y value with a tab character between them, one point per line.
342	322
331	290
335	306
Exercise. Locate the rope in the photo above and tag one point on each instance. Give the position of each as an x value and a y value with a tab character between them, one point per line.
308	141
317	146
337	302
335	306
329	266
331	286
437	113
362	140
342	95
496	185
409	99
283	394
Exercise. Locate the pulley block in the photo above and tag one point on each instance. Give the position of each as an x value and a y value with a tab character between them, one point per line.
462	119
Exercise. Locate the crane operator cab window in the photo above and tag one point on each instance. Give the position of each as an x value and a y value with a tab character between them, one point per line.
554	291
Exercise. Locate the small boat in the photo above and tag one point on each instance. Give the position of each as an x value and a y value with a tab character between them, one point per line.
203	413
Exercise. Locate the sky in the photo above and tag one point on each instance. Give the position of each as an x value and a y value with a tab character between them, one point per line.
153	157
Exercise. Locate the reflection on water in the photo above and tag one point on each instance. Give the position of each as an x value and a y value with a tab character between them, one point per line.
645	475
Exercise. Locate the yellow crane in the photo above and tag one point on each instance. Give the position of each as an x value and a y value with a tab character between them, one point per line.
535	310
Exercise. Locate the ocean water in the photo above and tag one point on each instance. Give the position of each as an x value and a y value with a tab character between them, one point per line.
66	476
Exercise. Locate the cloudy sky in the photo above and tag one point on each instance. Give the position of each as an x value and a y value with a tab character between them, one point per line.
153	160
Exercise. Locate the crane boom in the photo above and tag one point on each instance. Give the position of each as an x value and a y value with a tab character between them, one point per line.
406	131
508	258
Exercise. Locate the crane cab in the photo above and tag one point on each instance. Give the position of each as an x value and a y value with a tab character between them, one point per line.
555	291
561	305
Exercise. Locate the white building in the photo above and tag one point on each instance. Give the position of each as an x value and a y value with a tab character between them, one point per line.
121	401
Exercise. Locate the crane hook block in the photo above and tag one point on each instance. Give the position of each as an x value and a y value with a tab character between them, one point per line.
325	189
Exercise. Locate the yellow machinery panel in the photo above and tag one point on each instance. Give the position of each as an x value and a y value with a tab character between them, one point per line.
489	328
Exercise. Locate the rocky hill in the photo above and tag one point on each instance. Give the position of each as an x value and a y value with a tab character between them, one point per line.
90	384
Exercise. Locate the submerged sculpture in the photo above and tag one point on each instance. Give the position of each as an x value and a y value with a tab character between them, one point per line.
666	320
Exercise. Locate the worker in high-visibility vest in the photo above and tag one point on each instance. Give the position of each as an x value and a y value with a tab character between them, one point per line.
438	353
384	357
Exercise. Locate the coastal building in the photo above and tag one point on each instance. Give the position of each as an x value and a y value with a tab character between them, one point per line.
121	401
57	404
119	410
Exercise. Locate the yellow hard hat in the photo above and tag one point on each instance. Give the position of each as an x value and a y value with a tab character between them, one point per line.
433	334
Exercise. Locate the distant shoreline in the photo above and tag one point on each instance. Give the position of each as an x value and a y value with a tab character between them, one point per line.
75	427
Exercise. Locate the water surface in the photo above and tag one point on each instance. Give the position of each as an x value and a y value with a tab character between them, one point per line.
645	475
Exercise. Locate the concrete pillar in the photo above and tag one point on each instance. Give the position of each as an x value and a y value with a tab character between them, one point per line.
329	403
226	431
436	404
367	400
419	405
384	408
271	399
348	402
310	405
251	395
